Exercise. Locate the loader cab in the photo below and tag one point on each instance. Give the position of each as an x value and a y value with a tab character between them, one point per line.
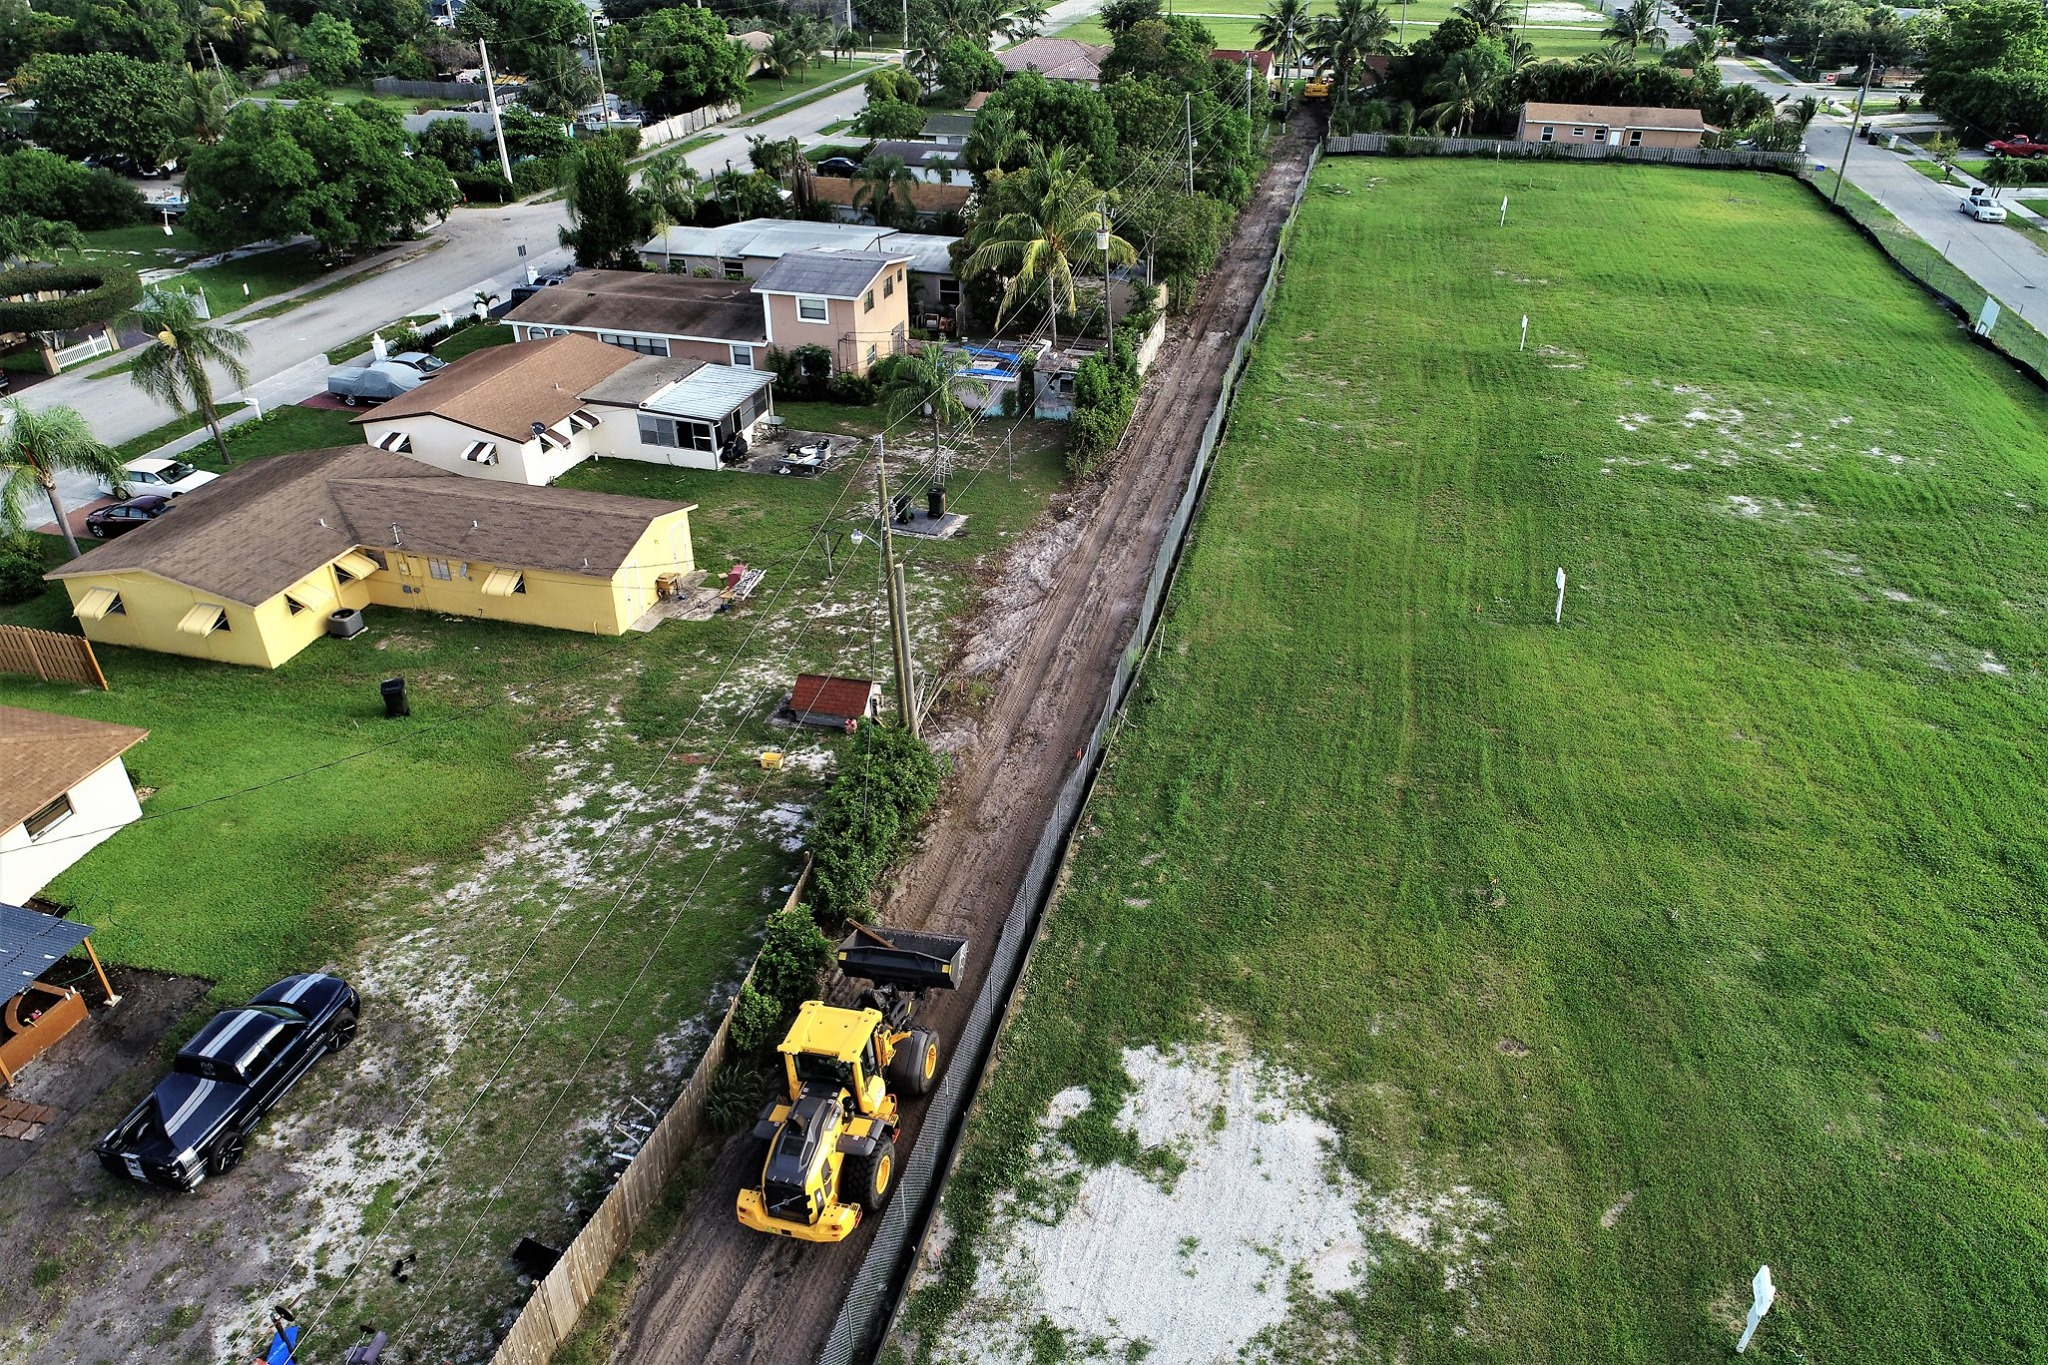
835	1049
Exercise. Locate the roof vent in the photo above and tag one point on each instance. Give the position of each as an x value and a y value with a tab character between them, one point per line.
476	526
323	521
394	535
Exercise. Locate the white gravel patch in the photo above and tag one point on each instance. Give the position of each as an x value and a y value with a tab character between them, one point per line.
1196	1266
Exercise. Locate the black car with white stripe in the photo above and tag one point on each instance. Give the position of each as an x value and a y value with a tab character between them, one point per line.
196	1123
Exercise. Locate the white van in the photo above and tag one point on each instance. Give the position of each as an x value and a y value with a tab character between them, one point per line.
1979	204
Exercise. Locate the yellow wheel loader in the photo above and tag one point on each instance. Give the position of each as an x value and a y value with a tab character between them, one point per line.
832	1141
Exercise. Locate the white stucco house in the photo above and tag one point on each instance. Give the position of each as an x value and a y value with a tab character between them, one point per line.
63	793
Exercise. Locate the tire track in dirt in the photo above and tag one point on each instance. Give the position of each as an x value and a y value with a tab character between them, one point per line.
721	1294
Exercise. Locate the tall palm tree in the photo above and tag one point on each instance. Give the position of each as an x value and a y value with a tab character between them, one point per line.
845	42
668	188
1636	26
1027	20
883	184
172	368
786	55
1282	30
1493	18
1343	40
1053	219
1462	93
34	447
274	38
230	20
995	142
199	108
927	380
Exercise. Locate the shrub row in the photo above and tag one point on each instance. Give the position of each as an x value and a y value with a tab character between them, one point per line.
887	781
92	294
1105	390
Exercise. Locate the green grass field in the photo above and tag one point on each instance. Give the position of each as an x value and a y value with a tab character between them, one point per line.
1563	42
1702	931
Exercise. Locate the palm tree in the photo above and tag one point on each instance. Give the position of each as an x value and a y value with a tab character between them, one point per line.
1636	26
1053	221
172	368
1521	54
200	103
785	54
34	447
274	38
1027	20
845	43
668	188
995	143
1359	29
1282	30
1492	17
1463	93
883	184
1610	60
25	237
230	20
927	380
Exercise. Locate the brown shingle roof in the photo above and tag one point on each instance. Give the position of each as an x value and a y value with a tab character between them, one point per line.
1617	116
257	530
641	301
42	756
504	390
1056	59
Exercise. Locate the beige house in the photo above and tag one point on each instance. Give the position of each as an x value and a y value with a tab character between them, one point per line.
63	792
1597	125
856	304
259	564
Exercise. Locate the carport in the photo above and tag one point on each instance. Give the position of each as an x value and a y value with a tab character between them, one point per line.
36	1013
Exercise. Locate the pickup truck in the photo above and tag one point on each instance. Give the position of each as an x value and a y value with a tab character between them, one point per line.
2021	145
196	1123
1979	204
373	383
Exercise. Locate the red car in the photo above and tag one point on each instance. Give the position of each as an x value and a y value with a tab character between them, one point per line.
122	517
2017	146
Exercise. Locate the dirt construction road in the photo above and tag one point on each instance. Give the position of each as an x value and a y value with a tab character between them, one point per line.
1049	639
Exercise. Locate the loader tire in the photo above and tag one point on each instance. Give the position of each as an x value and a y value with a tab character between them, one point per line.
914	1070
873	1176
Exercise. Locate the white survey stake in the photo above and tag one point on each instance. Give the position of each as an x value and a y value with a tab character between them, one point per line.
1764	1294
1560	598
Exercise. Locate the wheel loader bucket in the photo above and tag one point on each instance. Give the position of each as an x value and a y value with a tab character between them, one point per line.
900	957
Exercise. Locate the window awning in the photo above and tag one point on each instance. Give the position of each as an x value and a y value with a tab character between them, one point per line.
96	604
502	582
550	439
356	564
312	596
481	452
398	441
582	420
203	619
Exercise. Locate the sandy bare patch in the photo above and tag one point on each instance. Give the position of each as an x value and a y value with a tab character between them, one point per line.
1242	1203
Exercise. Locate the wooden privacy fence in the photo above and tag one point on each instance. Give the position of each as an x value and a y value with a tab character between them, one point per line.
50	656
559	1299
682	125
1396	144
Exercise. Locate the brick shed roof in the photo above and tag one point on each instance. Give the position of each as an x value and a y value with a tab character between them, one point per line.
819	695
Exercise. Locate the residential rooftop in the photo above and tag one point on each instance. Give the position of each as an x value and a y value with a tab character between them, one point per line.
504	390
43	755
263	527
1647	117
1056	59
642	301
832	274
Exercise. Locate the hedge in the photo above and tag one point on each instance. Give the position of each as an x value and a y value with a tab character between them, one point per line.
92	295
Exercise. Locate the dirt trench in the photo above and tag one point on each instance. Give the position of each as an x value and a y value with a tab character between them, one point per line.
723	1295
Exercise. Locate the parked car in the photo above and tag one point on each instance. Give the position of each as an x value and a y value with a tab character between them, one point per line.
1979	204
173	478
122	517
2021	145
426	364
374	382
196	1123
838	165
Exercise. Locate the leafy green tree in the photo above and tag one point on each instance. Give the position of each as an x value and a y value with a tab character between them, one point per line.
157	31
994	144
892	83
675	60
1060	114
1635	26
890	120
1050	218
172	367
965	68
36	445
26	30
883	184
608	222
337	172
101	104
332	51
1119	15
1174	50
450	142
43	184
1467	88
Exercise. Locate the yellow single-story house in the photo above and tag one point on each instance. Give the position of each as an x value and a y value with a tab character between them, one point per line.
249	569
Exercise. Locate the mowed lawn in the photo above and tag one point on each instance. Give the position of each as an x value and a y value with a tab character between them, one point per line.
1700	932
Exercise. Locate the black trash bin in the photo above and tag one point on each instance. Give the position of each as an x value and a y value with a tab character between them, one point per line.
935	502
900	504
396	707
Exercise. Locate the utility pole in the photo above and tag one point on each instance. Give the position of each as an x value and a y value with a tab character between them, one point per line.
1102	243
1247	103
1715	25
483	52
892	574
906	30
604	106
1842	171
1187	109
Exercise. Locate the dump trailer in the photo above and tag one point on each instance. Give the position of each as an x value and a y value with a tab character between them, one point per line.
831	1137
